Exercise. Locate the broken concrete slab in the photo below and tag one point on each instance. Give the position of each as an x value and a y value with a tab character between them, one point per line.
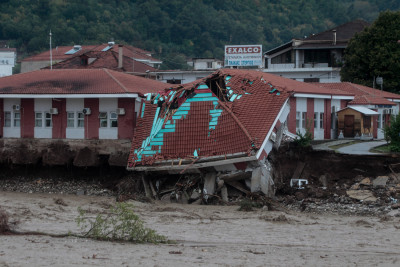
380	181
366	181
323	180
209	182
362	195
224	193
256	180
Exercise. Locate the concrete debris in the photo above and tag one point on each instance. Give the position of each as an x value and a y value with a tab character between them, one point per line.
363	195
380	181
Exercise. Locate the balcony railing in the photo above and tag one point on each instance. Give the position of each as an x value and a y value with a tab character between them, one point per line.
287	66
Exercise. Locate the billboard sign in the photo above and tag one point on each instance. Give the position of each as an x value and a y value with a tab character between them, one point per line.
243	55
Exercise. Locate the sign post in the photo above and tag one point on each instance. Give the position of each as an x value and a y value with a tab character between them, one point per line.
243	55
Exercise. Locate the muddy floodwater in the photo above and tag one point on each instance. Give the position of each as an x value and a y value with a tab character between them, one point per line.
205	236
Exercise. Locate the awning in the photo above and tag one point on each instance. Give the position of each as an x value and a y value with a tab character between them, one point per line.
363	110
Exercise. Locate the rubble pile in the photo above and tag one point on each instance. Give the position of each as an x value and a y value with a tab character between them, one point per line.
211	188
54	185
365	196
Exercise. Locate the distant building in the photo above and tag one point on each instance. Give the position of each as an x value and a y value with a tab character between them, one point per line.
317	58
201	67
121	58
7	61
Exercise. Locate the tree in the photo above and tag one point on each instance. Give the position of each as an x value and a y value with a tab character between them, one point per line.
375	52
392	133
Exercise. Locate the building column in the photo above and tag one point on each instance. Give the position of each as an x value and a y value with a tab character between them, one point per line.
92	122
127	122
1	117
328	119
27	123
292	115
60	119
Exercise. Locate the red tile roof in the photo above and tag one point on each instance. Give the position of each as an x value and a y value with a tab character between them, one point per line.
108	60
289	85
58	53
245	111
364	95
76	81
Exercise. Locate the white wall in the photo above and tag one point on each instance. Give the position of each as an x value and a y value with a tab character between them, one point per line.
7	62
75	105
107	105
8	106
43	105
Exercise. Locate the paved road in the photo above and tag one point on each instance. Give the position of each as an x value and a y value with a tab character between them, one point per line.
361	148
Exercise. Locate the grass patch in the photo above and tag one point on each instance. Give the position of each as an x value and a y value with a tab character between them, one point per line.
381	149
335	147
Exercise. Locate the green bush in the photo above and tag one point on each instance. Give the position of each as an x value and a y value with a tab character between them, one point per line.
303	140
392	133
120	224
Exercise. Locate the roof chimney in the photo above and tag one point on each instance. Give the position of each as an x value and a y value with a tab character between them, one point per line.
334	37
120	55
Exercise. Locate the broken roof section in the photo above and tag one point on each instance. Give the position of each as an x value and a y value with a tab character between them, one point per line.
227	114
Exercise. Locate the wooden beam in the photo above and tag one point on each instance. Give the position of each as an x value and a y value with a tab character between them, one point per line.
193	166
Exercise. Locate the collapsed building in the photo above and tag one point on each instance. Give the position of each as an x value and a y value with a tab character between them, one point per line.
223	126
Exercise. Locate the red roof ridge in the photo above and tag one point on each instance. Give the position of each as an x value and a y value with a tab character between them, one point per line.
115	79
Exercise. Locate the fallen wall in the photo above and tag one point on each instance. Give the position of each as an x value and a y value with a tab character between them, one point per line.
63	152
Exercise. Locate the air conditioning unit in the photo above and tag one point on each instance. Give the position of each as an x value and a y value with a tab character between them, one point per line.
54	111
120	111
86	111
16	107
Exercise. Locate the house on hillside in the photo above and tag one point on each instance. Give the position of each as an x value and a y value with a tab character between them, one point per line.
316	58
8	58
109	59
94	55
72	104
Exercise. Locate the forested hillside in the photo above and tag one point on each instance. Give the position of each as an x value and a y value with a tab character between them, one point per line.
174	29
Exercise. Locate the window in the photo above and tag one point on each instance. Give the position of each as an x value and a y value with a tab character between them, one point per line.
298	119
174	81
81	120
321	120
17	119
70	119
103	119
43	119
379	121
315	120
38	119
7	119
209	65
48	121
113	119
303	120
75	119
311	80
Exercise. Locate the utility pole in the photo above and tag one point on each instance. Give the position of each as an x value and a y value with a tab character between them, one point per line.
51	54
